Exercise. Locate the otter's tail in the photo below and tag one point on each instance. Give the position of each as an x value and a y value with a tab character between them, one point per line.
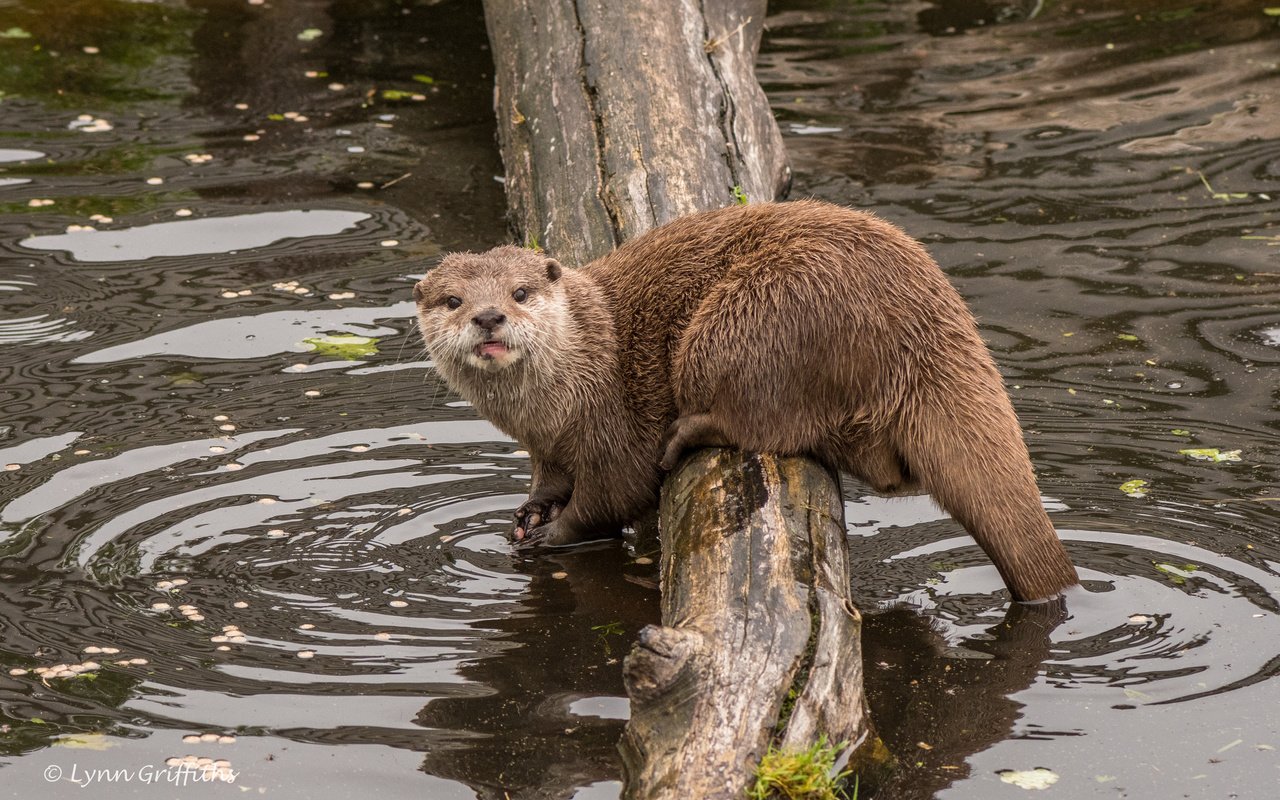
968	453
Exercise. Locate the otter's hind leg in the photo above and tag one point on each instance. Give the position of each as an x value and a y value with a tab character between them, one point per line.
689	433
871	458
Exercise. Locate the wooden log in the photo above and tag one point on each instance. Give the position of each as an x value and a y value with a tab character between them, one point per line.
615	117
756	609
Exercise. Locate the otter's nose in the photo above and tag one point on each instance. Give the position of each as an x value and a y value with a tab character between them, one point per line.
489	319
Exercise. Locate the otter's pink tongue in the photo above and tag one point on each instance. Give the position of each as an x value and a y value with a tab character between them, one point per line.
492	349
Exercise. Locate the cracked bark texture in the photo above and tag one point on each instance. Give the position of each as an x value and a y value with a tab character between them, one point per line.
760	641
616	117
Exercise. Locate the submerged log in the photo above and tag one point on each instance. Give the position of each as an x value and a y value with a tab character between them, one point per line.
615	117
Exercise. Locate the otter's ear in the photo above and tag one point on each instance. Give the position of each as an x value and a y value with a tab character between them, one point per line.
418	292
553	270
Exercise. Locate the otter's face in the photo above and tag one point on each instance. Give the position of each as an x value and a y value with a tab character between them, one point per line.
483	314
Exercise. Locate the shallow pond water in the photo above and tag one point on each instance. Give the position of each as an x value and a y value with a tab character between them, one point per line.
220	385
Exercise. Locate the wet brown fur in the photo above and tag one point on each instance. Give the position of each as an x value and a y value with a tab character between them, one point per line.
797	329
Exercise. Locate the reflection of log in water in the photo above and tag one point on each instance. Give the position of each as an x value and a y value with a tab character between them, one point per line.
533	724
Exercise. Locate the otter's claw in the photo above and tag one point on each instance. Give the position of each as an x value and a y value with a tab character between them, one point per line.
552	534
534	514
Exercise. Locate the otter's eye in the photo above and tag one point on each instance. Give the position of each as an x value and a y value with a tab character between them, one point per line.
519	295
454	302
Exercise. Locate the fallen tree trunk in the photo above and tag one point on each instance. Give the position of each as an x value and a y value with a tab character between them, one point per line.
616	117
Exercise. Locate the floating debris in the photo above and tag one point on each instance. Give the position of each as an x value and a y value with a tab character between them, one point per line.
398	603
12	467
62	670
197	158
1038	778
240	604
39	202
342	295
389	242
234	467
87	123
382	636
1211	454
251	137
310	35
154	181
1135	488
85	741
1139	619
1177	573
306	654
311	393
347	346
183	212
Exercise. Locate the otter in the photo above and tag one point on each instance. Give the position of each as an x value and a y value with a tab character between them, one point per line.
799	328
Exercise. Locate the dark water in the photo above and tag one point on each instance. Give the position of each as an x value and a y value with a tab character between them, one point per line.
1101	180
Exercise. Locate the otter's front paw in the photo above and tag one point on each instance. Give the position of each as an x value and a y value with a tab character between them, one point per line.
552	534
532	514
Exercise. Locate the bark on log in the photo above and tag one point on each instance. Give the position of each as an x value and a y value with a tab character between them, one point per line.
756	606
616	116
